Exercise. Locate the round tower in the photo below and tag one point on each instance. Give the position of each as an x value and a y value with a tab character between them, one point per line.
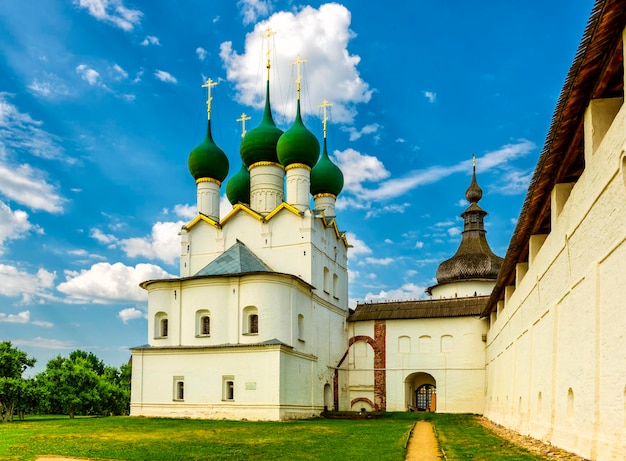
258	152
297	151
208	164
326	177
473	269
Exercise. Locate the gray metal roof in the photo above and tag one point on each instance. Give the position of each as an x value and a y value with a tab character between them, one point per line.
238	259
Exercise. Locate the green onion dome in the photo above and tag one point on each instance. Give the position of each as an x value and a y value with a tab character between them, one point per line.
238	187
298	144
326	177
259	144
207	160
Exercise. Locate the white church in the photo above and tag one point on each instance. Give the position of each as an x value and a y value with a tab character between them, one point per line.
258	327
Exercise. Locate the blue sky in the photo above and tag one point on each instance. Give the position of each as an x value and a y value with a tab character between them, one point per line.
101	103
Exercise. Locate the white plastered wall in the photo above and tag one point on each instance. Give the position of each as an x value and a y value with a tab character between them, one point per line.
555	354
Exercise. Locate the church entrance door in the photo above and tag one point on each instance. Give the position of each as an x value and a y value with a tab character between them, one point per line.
421	392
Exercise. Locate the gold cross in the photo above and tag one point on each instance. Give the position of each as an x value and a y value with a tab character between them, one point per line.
208	85
325	104
474	160
268	34
299	60
243	119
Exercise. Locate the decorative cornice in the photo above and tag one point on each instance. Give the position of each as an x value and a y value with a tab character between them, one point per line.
297	165
241	207
254	165
199	180
325	194
282	206
204	218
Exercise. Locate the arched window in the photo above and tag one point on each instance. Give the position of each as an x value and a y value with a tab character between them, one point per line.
404	344
228	388
160	325
203	323
335	286
250	320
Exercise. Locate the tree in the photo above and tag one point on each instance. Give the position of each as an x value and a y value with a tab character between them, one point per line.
82	384
13	362
14	390
72	385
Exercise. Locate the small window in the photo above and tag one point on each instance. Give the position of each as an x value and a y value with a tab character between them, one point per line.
335	286
205	325
250	321
253	322
203	322
179	388
160	325
228	388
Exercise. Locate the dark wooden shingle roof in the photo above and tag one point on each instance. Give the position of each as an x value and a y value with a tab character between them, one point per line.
420	309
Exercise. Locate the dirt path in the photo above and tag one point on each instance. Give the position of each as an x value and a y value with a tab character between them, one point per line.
423	444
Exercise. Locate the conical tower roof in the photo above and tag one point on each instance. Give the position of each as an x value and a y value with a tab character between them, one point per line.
298	144
207	160
474	258
259	144
238	187
326	177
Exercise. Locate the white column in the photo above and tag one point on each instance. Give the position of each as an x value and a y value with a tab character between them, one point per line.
208	191
266	186
298	185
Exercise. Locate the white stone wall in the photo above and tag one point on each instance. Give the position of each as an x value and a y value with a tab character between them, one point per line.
556	355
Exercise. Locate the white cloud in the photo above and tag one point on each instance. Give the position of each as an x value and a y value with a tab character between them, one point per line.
251	10
16	282
431	96
28	186
42	323
109	283
379	261
49	87
106	239
454	231
201	52
120	72
397	208
406	292
113	12
165	76
162	244
43	343
151	40
87	73
186	211
20	132
130	313
370	169
499	159
419	244
356	134
13	224
357	247
22	317
319	35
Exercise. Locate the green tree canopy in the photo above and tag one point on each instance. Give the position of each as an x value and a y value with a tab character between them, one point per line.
13	362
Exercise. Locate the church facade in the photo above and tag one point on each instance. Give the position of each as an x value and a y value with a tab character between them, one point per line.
258	327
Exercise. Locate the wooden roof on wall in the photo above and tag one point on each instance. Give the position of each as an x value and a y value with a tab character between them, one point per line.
597	72
420	309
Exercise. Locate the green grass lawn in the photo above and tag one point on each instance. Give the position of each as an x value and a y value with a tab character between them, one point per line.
125	438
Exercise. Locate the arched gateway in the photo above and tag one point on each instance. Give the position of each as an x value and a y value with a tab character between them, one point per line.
420	392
